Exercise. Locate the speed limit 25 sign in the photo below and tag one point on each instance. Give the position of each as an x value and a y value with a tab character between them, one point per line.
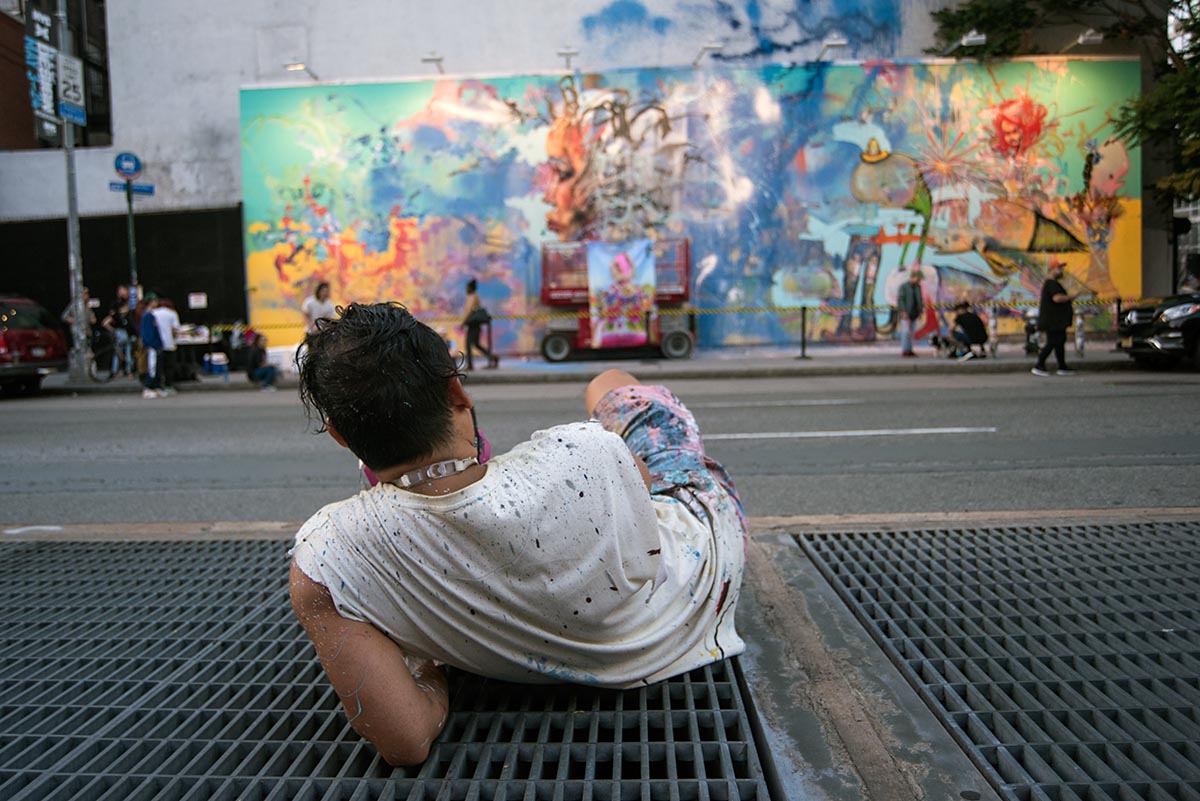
72	104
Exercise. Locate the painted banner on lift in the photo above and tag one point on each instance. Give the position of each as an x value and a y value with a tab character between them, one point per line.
621	292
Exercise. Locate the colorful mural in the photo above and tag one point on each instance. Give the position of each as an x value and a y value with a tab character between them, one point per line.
808	184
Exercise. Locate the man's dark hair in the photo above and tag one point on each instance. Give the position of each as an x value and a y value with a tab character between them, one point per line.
380	378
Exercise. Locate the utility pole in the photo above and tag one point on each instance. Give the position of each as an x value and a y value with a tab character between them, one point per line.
79	311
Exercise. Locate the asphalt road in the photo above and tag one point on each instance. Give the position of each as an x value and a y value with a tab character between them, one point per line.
813	446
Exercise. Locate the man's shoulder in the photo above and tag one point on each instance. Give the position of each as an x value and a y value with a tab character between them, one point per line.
571	435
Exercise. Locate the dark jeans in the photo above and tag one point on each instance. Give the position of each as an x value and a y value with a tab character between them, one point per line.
265	375
1055	341
167	373
474	343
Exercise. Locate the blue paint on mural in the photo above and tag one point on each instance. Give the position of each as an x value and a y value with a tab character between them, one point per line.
624	17
764	28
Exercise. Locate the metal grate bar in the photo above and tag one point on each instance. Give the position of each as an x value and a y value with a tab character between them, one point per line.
173	671
1065	660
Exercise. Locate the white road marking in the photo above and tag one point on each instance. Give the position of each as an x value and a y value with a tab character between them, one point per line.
28	529
747	404
865	432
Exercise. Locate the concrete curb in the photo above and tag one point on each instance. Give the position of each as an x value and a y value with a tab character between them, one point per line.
749	363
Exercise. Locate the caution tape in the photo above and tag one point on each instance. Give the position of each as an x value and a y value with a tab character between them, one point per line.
823	308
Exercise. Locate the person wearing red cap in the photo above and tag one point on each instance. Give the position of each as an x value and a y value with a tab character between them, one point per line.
1054	318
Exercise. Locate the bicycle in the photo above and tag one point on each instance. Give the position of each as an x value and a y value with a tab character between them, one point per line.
102	351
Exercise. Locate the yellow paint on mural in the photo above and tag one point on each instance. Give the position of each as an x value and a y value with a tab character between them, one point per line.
1125	253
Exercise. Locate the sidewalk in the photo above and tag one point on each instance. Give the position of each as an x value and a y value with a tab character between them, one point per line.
745	362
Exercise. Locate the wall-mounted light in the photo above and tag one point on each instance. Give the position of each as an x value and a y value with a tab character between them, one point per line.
433	58
300	66
567	52
707	47
1088	38
834	41
972	38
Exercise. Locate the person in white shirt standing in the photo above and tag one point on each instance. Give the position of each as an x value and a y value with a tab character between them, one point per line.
167	320
608	552
317	307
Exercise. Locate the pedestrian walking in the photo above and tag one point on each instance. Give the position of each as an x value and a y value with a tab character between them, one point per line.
910	305
474	317
1054	318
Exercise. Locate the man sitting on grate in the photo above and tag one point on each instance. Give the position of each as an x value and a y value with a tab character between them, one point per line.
608	552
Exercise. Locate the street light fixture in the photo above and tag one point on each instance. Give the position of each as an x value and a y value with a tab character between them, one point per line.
708	47
972	38
833	41
1089	38
300	66
433	58
567	52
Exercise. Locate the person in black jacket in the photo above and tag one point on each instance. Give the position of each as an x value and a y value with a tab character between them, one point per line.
1054	318
969	331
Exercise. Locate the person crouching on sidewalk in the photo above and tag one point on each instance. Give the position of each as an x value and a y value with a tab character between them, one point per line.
258	369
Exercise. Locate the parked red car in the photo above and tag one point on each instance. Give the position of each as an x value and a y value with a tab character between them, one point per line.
31	344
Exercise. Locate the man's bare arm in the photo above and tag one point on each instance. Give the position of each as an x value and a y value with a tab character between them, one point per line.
600	386
398	712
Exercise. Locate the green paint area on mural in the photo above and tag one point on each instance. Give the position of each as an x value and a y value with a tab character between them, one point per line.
805	185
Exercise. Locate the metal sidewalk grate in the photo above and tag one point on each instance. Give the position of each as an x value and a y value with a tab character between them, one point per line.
1066	661
131	672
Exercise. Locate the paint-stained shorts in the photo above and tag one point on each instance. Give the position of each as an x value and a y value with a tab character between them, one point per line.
662	432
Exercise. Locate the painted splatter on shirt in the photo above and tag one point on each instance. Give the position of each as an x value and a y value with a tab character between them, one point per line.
557	565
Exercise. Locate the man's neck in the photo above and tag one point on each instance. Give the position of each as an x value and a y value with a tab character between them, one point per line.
437	486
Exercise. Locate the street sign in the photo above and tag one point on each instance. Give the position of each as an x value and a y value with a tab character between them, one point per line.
128	166
71	102
137	189
41	59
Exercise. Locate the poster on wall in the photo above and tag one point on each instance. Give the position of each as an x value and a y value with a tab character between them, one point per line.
801	185
621	292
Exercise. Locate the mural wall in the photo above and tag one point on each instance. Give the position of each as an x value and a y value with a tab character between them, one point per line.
808	184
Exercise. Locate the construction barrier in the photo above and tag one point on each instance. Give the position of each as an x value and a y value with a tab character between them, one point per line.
807	310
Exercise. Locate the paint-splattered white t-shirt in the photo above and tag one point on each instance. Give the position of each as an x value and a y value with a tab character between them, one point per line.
557	565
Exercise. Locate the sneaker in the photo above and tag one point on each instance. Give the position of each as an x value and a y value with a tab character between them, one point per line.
269	388
1039	371
165	391
909	355
149	393
1065	371
966	357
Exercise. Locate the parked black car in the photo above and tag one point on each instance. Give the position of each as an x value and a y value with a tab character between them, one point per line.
1162	333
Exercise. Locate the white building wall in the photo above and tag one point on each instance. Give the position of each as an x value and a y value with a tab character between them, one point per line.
176	68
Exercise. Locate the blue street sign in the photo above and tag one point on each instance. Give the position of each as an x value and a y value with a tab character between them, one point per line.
128	166
137	189
73	114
